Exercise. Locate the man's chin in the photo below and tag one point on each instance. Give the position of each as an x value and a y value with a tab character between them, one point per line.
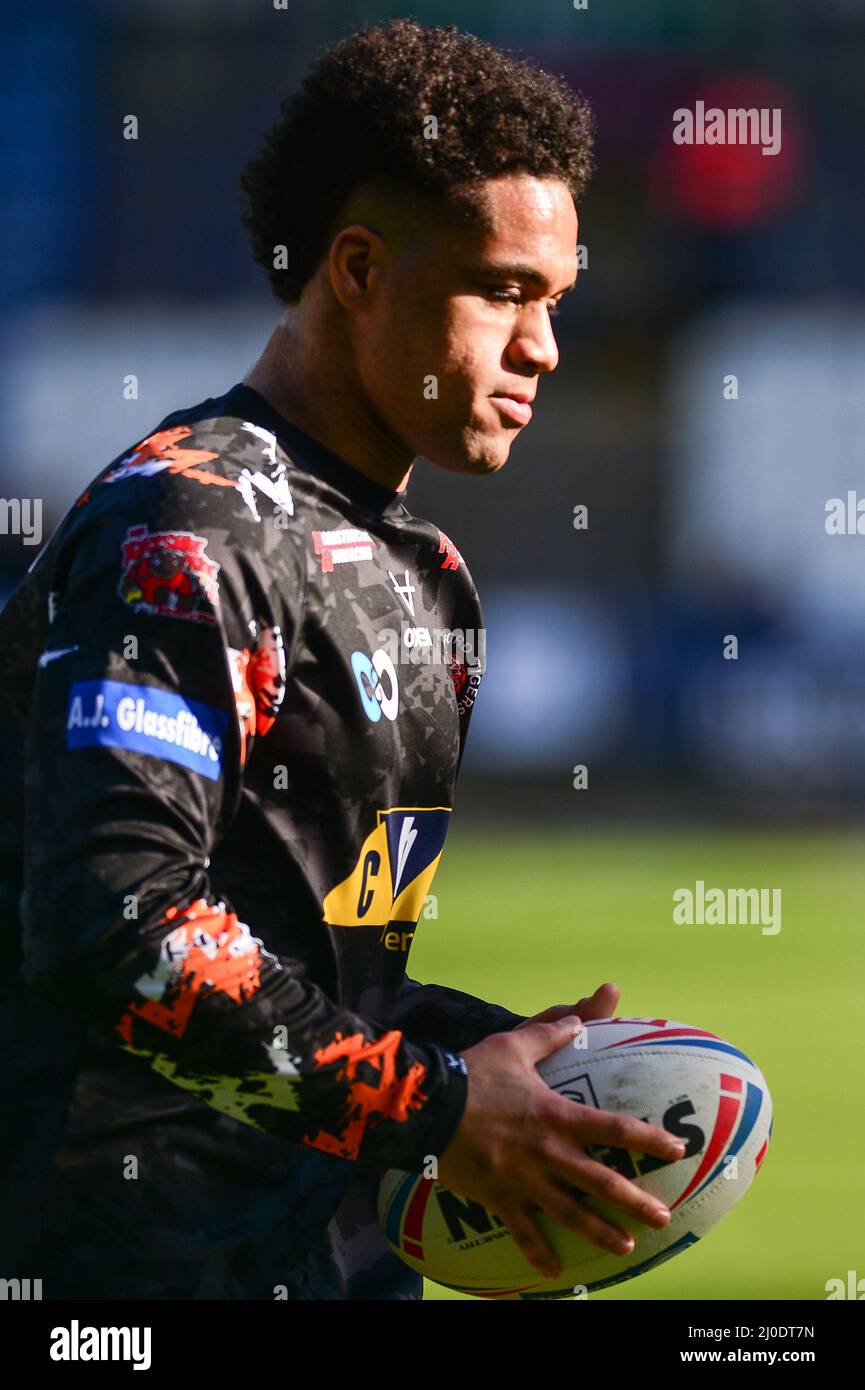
474	456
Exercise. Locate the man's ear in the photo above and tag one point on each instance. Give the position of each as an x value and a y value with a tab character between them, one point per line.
356	256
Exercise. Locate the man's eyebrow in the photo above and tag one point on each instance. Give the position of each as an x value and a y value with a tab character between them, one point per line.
518	271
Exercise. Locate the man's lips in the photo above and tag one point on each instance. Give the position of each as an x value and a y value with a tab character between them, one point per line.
517	408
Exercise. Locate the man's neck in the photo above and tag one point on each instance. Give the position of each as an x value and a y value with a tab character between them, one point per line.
312	394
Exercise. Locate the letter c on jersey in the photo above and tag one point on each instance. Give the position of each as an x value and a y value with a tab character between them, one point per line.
368	673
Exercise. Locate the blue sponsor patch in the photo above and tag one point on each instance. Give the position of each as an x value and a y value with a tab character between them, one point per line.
112	714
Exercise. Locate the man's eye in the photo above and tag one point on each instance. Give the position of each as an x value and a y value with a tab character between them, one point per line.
515	297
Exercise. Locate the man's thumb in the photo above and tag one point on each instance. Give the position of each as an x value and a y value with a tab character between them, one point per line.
546	1038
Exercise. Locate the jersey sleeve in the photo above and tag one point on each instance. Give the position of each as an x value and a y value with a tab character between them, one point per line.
449	1018
141	727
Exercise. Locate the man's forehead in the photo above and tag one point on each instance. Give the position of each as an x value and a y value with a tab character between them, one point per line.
525	198
527	222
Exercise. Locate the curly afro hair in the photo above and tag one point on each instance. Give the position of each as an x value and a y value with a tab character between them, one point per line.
362	113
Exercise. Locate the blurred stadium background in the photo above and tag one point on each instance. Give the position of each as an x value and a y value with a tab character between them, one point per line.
706	515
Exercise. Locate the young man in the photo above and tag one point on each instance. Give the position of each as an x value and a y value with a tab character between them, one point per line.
234	788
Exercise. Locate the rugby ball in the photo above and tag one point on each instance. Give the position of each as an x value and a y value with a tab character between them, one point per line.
703	1089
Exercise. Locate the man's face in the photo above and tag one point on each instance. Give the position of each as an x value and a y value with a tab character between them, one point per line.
458	330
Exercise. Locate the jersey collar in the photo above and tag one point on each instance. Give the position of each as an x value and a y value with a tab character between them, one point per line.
314	457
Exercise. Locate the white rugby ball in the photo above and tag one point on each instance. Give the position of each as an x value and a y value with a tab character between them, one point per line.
684	1079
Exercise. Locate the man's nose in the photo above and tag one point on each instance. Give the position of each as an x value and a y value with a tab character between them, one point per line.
534	343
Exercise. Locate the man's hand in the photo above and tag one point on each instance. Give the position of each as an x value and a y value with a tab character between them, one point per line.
520	1146
602	1004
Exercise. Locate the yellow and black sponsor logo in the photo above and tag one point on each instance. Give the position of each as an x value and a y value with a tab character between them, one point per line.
391	879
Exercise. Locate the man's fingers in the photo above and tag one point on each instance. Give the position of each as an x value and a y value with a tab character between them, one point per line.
572	1169
565	1204
540	1039
589	1126
569	1208
521	1221
602	1004
550	1015
610	1187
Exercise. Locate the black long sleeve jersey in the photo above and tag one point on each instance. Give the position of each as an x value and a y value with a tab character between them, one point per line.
236	686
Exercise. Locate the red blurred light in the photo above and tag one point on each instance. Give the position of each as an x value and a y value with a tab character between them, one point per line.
730	186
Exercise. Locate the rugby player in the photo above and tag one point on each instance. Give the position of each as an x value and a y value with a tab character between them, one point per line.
230	778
